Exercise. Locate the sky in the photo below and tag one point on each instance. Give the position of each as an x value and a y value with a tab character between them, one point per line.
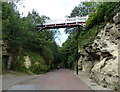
54	9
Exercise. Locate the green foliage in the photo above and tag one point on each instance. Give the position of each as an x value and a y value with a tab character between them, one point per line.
87	36
99	13
69	51
83	9
23	40
38	64
79	39
11	21
103	13
21	67
20	34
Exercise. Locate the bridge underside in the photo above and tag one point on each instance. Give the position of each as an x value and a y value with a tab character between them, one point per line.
62	25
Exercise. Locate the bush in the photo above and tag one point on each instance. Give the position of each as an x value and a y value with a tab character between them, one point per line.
87	36
38	64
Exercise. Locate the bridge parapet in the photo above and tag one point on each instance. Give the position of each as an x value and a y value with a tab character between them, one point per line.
63	23
67	20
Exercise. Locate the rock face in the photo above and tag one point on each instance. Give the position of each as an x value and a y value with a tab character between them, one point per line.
6	57
100	58
27	62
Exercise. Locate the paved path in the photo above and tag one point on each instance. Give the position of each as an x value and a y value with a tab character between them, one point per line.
56	80
13	78
94	86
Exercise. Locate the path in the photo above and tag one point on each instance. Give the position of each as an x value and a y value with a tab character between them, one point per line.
13	78
56	80
94	86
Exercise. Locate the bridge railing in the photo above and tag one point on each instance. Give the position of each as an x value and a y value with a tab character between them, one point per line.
67	20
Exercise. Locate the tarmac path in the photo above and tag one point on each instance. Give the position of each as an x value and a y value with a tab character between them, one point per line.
62	79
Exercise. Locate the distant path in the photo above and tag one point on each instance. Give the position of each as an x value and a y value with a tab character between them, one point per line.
57	80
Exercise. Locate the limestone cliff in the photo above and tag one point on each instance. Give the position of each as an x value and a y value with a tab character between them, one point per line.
100	58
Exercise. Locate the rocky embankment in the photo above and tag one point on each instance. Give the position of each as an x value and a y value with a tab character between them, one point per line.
100	58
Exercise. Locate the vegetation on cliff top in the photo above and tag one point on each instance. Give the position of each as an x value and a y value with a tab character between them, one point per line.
21	36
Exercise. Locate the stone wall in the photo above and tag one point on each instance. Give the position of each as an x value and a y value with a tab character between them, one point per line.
100	58
6	57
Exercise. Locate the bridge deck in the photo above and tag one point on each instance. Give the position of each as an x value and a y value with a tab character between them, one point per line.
61	25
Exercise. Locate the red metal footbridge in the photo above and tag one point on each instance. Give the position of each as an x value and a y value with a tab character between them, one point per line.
63	23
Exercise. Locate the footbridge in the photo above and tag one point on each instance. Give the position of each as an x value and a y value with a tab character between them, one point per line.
63	23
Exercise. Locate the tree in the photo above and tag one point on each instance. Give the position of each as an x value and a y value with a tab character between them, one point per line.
83	9
22	38
69	51
103	13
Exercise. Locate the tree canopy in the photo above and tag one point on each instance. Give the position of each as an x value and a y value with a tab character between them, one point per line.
21	36
83	9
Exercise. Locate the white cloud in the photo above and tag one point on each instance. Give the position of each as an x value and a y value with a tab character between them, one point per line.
55	9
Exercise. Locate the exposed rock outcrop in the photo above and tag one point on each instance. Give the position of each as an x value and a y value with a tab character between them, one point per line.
27	62
100	58
6	57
